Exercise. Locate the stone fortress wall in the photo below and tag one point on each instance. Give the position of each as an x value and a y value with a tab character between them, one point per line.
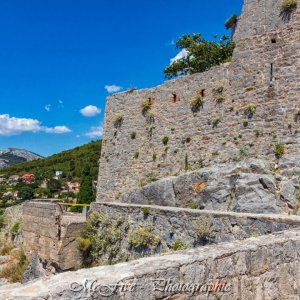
264	72
46	230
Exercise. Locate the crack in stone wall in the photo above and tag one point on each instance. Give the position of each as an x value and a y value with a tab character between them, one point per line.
51	234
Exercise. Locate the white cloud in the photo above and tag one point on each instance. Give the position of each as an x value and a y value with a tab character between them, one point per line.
113	88
95	132
12	126
60	104
171	43
90	111
56	129
48	107
182	54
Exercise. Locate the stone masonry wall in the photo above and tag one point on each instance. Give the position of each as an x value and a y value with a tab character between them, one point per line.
267	267
259	17
177	225
51	234
264	72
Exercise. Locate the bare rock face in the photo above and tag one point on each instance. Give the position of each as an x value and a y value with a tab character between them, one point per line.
162	189
35	269
11	156
288	193
248	186
290	164
256	193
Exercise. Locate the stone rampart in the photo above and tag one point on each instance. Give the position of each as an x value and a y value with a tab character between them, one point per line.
267	267
51	233
189	227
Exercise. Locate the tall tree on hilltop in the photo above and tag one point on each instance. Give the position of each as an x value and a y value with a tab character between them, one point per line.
199	55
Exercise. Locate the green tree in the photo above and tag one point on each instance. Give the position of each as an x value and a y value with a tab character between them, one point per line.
42	192
26	193
86	194
201	54
53	185
72	165
19	185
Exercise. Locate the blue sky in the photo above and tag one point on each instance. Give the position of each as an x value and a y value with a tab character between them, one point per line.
56	57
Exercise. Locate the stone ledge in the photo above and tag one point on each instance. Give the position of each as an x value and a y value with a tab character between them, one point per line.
288	219
267	257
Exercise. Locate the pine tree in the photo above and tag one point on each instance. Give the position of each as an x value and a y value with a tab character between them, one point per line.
86	194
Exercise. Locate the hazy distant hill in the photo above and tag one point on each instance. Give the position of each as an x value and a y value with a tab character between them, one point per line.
71	162
12	156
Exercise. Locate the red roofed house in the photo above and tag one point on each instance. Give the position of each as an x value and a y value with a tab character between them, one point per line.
28	178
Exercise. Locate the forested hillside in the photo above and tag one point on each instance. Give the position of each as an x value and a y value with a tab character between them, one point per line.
71	162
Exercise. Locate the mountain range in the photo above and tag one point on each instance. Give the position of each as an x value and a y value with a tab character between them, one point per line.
70	162
12	156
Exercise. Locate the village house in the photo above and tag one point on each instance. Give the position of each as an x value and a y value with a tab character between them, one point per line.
12	194
58	175
44	184
13	180
28	178
73	186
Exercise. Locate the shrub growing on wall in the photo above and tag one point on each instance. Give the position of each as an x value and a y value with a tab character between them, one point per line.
118	119
100	242
250	110
203	229
231	22
145	106
165	140
287	8
297	115
196	103
143	237
288	5
279	150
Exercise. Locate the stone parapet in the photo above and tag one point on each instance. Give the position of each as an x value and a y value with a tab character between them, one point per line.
266	267
184	228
